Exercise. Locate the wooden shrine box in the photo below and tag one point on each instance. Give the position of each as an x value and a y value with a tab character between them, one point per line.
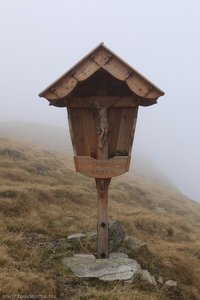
102	94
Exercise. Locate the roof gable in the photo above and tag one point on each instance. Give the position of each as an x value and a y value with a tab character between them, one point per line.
102	58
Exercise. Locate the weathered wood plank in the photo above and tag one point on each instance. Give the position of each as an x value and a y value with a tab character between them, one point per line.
133	132
114	101
134	80
85	69
102	184
86	129
102	225
116	68
101	168
71	130
125	131
78	131
114	120
90	131
61	88
141	87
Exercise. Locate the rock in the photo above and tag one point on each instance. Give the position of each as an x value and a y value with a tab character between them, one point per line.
76	237
160	280
87	256
147	277
133	244
116	235
170	283
160	210
117	267
118	254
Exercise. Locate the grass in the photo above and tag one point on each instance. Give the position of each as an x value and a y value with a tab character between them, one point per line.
42	200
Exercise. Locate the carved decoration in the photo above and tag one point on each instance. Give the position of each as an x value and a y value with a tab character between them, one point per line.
102	125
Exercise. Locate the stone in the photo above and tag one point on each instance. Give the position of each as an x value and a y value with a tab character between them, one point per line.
147	277
160	280
86	256
76	237
116	235
133	244
170	283
118	254
117	267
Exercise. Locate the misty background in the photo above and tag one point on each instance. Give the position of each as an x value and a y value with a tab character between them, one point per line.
40	40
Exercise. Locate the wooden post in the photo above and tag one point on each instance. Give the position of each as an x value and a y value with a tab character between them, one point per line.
102	185
102	225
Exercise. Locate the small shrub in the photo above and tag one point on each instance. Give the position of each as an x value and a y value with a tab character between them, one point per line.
148	260
14	154
9	193
185	271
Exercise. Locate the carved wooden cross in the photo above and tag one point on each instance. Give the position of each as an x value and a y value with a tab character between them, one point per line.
102	94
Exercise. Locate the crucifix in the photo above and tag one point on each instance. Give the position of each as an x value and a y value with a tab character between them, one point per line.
102	94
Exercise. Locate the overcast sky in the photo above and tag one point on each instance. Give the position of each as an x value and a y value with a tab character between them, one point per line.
41	39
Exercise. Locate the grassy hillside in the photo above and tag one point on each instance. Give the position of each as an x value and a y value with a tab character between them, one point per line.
57	139
42	200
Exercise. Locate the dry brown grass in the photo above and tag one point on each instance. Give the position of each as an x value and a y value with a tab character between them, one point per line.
42	200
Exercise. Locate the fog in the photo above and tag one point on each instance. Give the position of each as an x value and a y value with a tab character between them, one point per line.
40	40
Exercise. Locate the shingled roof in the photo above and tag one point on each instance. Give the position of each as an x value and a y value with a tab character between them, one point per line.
102	58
